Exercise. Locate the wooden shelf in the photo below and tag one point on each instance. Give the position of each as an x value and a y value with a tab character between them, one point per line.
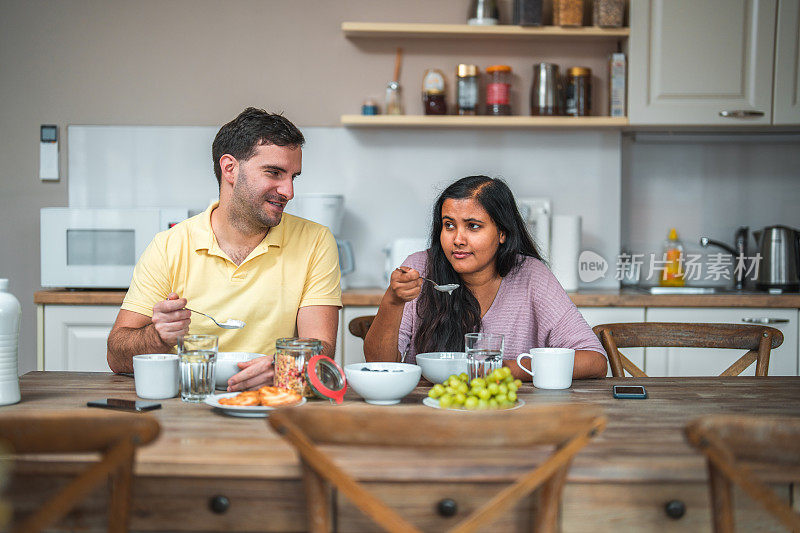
393	29
455	121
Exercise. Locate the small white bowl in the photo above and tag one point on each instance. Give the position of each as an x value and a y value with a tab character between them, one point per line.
227	367
382	383
438	366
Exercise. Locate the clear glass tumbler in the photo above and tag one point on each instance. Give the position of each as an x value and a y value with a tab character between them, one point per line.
198	355
484	353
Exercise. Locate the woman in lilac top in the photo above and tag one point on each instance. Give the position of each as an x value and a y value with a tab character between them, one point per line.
480	242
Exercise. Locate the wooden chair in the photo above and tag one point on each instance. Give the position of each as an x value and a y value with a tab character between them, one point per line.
568	427
757	340
729	441
115	435
360	325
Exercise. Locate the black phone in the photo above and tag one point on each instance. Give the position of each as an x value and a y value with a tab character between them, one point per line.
629	392
124	405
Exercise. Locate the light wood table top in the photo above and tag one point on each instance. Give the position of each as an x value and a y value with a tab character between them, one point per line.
643	441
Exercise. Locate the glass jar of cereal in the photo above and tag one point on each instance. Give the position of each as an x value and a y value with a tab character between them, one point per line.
291	359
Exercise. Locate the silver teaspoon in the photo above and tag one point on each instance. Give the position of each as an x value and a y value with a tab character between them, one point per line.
231	323
448	287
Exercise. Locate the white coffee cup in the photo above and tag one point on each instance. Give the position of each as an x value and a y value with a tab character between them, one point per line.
157	375
551	368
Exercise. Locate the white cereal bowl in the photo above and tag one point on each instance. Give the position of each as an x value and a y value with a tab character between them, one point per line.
382	383
438	366
227	366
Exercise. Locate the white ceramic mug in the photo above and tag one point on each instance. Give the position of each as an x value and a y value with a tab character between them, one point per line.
157	376
551	368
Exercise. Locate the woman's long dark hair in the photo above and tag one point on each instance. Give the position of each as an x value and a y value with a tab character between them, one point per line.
445	319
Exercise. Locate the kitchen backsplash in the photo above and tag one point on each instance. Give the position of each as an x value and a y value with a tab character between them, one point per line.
389	178
703	187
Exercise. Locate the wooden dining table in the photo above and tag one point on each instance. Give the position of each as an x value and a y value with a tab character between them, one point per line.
209	471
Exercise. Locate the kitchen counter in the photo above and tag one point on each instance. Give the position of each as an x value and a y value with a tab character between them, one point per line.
588	298
620	481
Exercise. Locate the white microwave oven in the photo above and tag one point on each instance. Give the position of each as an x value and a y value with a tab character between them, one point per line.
98	248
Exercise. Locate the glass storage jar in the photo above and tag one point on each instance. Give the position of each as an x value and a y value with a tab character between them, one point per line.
433	92
498	90
568	12
467	88
608	13
291	359
579	92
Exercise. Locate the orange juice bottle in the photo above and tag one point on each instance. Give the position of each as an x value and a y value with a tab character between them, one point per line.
672	275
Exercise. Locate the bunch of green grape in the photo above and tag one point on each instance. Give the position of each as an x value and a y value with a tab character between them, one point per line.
498	390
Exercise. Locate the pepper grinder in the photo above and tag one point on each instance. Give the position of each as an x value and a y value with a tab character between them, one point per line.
393	104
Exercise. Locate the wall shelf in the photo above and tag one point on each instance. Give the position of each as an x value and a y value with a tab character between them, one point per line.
456	121
393	29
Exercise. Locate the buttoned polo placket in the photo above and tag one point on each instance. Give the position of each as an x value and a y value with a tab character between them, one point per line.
239	273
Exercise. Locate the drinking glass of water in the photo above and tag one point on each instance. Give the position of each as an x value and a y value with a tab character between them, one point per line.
484	353
198	355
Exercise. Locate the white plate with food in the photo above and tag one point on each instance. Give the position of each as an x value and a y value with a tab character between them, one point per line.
247	411
432	402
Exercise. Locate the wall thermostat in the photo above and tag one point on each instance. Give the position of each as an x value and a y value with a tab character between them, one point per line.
48	152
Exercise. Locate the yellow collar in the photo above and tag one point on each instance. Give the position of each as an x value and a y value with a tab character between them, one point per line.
203	237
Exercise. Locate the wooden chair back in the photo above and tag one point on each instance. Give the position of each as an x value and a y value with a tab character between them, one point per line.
360	325
568	427
730	441
757	340
114	435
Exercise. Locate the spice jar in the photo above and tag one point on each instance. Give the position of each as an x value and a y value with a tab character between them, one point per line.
433	92
568	12
291	359
579	92
498	90
467	85
608	13
369	107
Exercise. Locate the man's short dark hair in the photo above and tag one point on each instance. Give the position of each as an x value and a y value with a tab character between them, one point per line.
242	136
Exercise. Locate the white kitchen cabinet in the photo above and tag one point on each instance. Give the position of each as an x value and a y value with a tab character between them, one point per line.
352	346
690	60
595	316
74	337
786	96
674	362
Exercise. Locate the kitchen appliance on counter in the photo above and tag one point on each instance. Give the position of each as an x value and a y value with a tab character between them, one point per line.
779	247
328	210
536	212
398	250
98	248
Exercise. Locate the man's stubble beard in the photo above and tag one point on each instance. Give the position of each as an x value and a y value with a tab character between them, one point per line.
246	213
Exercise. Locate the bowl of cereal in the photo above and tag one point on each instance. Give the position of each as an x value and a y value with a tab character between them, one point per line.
228	364
438	366
382	383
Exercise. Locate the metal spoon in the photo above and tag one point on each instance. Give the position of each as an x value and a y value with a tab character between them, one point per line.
447	287
231	323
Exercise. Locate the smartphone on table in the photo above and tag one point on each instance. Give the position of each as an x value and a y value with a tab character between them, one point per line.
630	392
125	405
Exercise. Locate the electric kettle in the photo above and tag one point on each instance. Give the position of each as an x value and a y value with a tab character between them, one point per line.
780	258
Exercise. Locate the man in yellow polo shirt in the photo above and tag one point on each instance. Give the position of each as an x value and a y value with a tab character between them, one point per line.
242	258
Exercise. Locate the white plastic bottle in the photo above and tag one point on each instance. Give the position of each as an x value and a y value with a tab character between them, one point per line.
10	312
